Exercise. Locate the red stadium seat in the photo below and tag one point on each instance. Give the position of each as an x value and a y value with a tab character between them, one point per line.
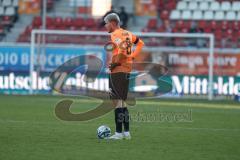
207	30
236	25
171	5
161	5
49	21
202	24
78	22
187	24
230	24
90	23
164	15
184	30
213	25
28	30
58	21
51	27
218	34
229	33
37	22
68	22
235	38
152	24
238	33
59	24
224	25
175	30
179	24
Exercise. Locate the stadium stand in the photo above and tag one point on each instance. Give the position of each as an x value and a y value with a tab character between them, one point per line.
187	16
8	16
59	23
209	16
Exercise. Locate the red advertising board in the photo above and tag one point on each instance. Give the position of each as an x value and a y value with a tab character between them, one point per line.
197	63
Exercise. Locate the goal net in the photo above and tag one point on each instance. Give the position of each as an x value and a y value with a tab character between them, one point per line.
188	57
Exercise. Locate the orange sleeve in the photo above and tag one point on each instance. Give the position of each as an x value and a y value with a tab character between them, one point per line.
134	38
139	43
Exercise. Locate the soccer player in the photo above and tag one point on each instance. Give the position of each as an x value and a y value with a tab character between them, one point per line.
120	68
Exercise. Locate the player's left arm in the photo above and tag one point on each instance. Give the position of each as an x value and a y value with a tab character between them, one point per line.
139	45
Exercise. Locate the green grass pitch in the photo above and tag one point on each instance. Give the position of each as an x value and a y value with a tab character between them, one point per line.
30	130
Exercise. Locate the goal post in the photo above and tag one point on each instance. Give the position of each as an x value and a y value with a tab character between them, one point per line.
208	37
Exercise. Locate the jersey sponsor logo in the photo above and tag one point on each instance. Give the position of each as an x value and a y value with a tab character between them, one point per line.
117	41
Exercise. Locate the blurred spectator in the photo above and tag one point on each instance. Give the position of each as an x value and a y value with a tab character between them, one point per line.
124	17
193	28
167	26
112	10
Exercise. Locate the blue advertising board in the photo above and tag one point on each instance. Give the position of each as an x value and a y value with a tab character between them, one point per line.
17	58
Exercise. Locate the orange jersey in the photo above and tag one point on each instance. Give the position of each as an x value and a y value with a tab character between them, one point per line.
123	53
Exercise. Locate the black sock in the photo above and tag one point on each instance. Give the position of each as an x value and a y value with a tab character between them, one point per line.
119	118
126	119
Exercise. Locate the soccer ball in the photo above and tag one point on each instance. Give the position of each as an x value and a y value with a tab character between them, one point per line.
103	132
